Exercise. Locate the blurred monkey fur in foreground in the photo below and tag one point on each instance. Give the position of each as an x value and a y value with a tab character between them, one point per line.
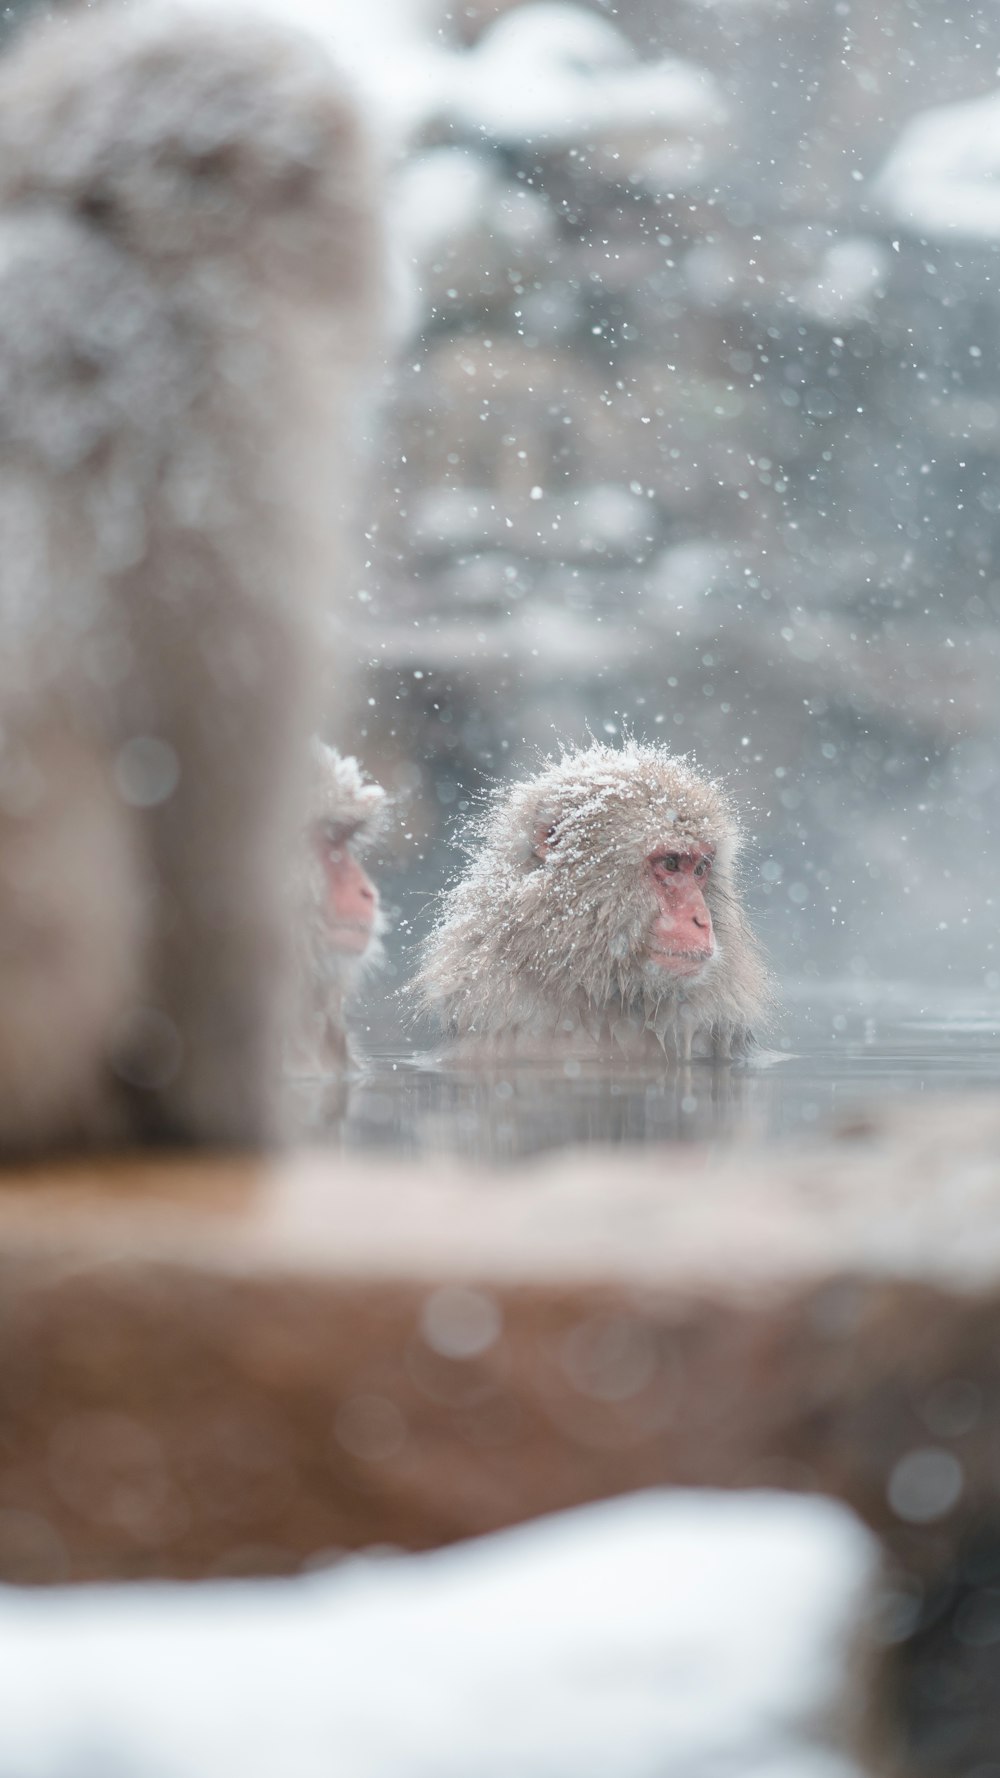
340	920
600	916
189	271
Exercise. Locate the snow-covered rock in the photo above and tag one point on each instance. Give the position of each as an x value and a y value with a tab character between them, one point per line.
690	1634
941	179
558	75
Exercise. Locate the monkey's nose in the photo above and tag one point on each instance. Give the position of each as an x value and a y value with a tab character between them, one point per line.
701	920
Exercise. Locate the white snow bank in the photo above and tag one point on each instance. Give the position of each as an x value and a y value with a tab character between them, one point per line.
943	176
558	74
686	1633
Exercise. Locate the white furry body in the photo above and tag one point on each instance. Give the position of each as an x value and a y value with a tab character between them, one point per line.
186	274
536	956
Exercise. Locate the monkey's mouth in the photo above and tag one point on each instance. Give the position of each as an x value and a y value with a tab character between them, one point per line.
352	936
685	963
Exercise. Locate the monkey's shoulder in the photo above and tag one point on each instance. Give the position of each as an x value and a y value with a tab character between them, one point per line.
90	348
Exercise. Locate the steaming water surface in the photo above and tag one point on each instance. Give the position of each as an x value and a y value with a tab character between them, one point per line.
837	1056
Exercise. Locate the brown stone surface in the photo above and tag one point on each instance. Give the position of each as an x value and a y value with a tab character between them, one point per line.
216	1367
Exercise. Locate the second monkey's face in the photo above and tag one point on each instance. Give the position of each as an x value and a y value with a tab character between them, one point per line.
350	898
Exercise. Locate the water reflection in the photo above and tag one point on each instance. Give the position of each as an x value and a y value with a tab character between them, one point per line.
837	1060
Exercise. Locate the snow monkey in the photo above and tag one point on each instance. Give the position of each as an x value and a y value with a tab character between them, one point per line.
600	916
340	921
188	275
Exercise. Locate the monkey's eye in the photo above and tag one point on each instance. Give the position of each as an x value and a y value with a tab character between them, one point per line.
670	862
336	836
702	868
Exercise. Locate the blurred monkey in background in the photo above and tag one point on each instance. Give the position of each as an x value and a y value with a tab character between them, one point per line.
189	275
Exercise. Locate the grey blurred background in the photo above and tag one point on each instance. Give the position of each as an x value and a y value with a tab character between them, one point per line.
695	429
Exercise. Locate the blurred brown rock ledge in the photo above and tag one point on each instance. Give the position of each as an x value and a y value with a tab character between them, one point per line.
216	1367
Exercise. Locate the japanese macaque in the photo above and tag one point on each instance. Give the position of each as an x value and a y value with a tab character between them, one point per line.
189	273
340	920
600	916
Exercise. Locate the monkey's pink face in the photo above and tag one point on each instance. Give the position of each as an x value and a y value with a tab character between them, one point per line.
350	896
681	939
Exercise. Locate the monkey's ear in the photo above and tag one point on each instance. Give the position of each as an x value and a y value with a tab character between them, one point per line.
542	840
